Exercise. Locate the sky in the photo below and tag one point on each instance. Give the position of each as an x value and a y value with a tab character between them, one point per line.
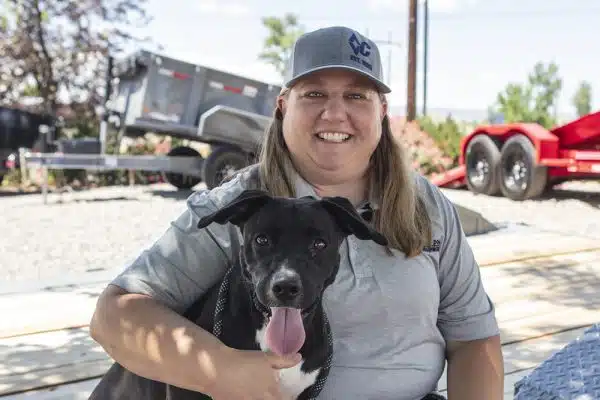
476	47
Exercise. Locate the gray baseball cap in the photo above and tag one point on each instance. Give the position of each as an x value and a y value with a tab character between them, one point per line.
335	47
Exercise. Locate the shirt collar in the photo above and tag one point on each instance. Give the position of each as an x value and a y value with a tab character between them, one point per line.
302	188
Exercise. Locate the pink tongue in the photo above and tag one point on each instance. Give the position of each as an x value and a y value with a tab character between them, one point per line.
285	332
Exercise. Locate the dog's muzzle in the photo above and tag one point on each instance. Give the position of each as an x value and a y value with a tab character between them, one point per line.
284	294
285	289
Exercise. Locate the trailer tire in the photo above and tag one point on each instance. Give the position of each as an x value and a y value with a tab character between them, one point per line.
221	163
482	158
521	177
182	181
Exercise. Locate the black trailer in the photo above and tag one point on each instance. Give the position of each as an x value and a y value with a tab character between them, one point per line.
19	129
162	95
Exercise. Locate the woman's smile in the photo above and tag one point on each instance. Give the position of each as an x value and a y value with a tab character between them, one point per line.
333	136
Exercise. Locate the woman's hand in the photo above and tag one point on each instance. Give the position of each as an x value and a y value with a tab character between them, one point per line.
249	375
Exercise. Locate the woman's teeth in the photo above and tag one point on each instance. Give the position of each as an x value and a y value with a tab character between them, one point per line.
336	137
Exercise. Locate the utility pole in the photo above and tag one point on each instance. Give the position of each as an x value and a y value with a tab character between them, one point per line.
425	52
411	87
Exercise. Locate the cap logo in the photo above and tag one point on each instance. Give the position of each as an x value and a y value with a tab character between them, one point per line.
360	48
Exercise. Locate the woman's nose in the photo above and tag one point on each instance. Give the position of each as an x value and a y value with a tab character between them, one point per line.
334	109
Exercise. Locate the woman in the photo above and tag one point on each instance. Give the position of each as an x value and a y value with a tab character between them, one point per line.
395	317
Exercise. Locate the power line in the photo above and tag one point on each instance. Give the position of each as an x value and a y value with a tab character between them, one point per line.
393	15
530	14
389	42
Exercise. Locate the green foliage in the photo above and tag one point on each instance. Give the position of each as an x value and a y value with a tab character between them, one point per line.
84	126
447	135
12	178
54	46
283	32
532	101
582	100
30	90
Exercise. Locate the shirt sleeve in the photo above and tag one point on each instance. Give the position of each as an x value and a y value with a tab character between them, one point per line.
465	311
184	262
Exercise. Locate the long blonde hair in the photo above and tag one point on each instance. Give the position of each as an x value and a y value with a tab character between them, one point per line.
402	216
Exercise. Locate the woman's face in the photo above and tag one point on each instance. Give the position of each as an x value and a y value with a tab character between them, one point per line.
332	125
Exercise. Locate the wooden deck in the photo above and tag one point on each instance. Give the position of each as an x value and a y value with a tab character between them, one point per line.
542	305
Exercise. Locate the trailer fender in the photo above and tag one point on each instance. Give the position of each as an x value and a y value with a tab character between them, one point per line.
546	144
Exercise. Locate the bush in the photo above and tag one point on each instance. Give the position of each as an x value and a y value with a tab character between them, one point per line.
426	155
447	134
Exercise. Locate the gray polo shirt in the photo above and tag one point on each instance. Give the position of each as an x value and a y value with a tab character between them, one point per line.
390	316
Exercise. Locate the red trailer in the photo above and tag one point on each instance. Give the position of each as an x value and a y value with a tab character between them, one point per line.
521	160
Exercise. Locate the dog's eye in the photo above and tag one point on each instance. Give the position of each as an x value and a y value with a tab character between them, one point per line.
319	244
261	240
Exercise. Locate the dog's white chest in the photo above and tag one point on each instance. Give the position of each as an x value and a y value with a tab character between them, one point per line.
292	380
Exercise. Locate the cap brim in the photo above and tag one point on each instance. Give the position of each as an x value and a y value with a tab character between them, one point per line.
382	87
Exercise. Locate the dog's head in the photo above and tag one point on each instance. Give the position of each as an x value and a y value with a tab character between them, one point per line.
291	246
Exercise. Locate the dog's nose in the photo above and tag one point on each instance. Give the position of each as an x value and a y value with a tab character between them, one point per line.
286	285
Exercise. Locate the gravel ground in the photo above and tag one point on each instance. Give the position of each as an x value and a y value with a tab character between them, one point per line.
89	231
574	208
104	228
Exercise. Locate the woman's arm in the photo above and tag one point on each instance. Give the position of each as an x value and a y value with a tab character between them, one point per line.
475	369
155	342
466	316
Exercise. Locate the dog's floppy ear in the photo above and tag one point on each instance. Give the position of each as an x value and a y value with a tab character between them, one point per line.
238	210
348	219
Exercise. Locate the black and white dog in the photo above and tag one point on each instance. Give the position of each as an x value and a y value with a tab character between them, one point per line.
270	299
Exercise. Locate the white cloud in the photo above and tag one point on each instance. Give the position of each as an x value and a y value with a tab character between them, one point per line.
488	77
446	6
229	9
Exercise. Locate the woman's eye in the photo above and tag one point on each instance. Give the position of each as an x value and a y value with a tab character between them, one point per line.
261	240
357	96
319	244
313	94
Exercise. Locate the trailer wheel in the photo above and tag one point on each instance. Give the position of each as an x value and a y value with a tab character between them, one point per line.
221	163
482	160
521	178
182	181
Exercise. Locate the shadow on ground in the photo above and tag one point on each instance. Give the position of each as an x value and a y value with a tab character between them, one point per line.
544	304
564	281
6	192
45	359
170	194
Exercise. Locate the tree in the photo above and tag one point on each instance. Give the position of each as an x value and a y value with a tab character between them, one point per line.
582	100
55	47
533	101
283	32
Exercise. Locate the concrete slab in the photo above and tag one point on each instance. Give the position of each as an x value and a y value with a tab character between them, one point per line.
47	310
473	223
516	242
72	391
46	359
